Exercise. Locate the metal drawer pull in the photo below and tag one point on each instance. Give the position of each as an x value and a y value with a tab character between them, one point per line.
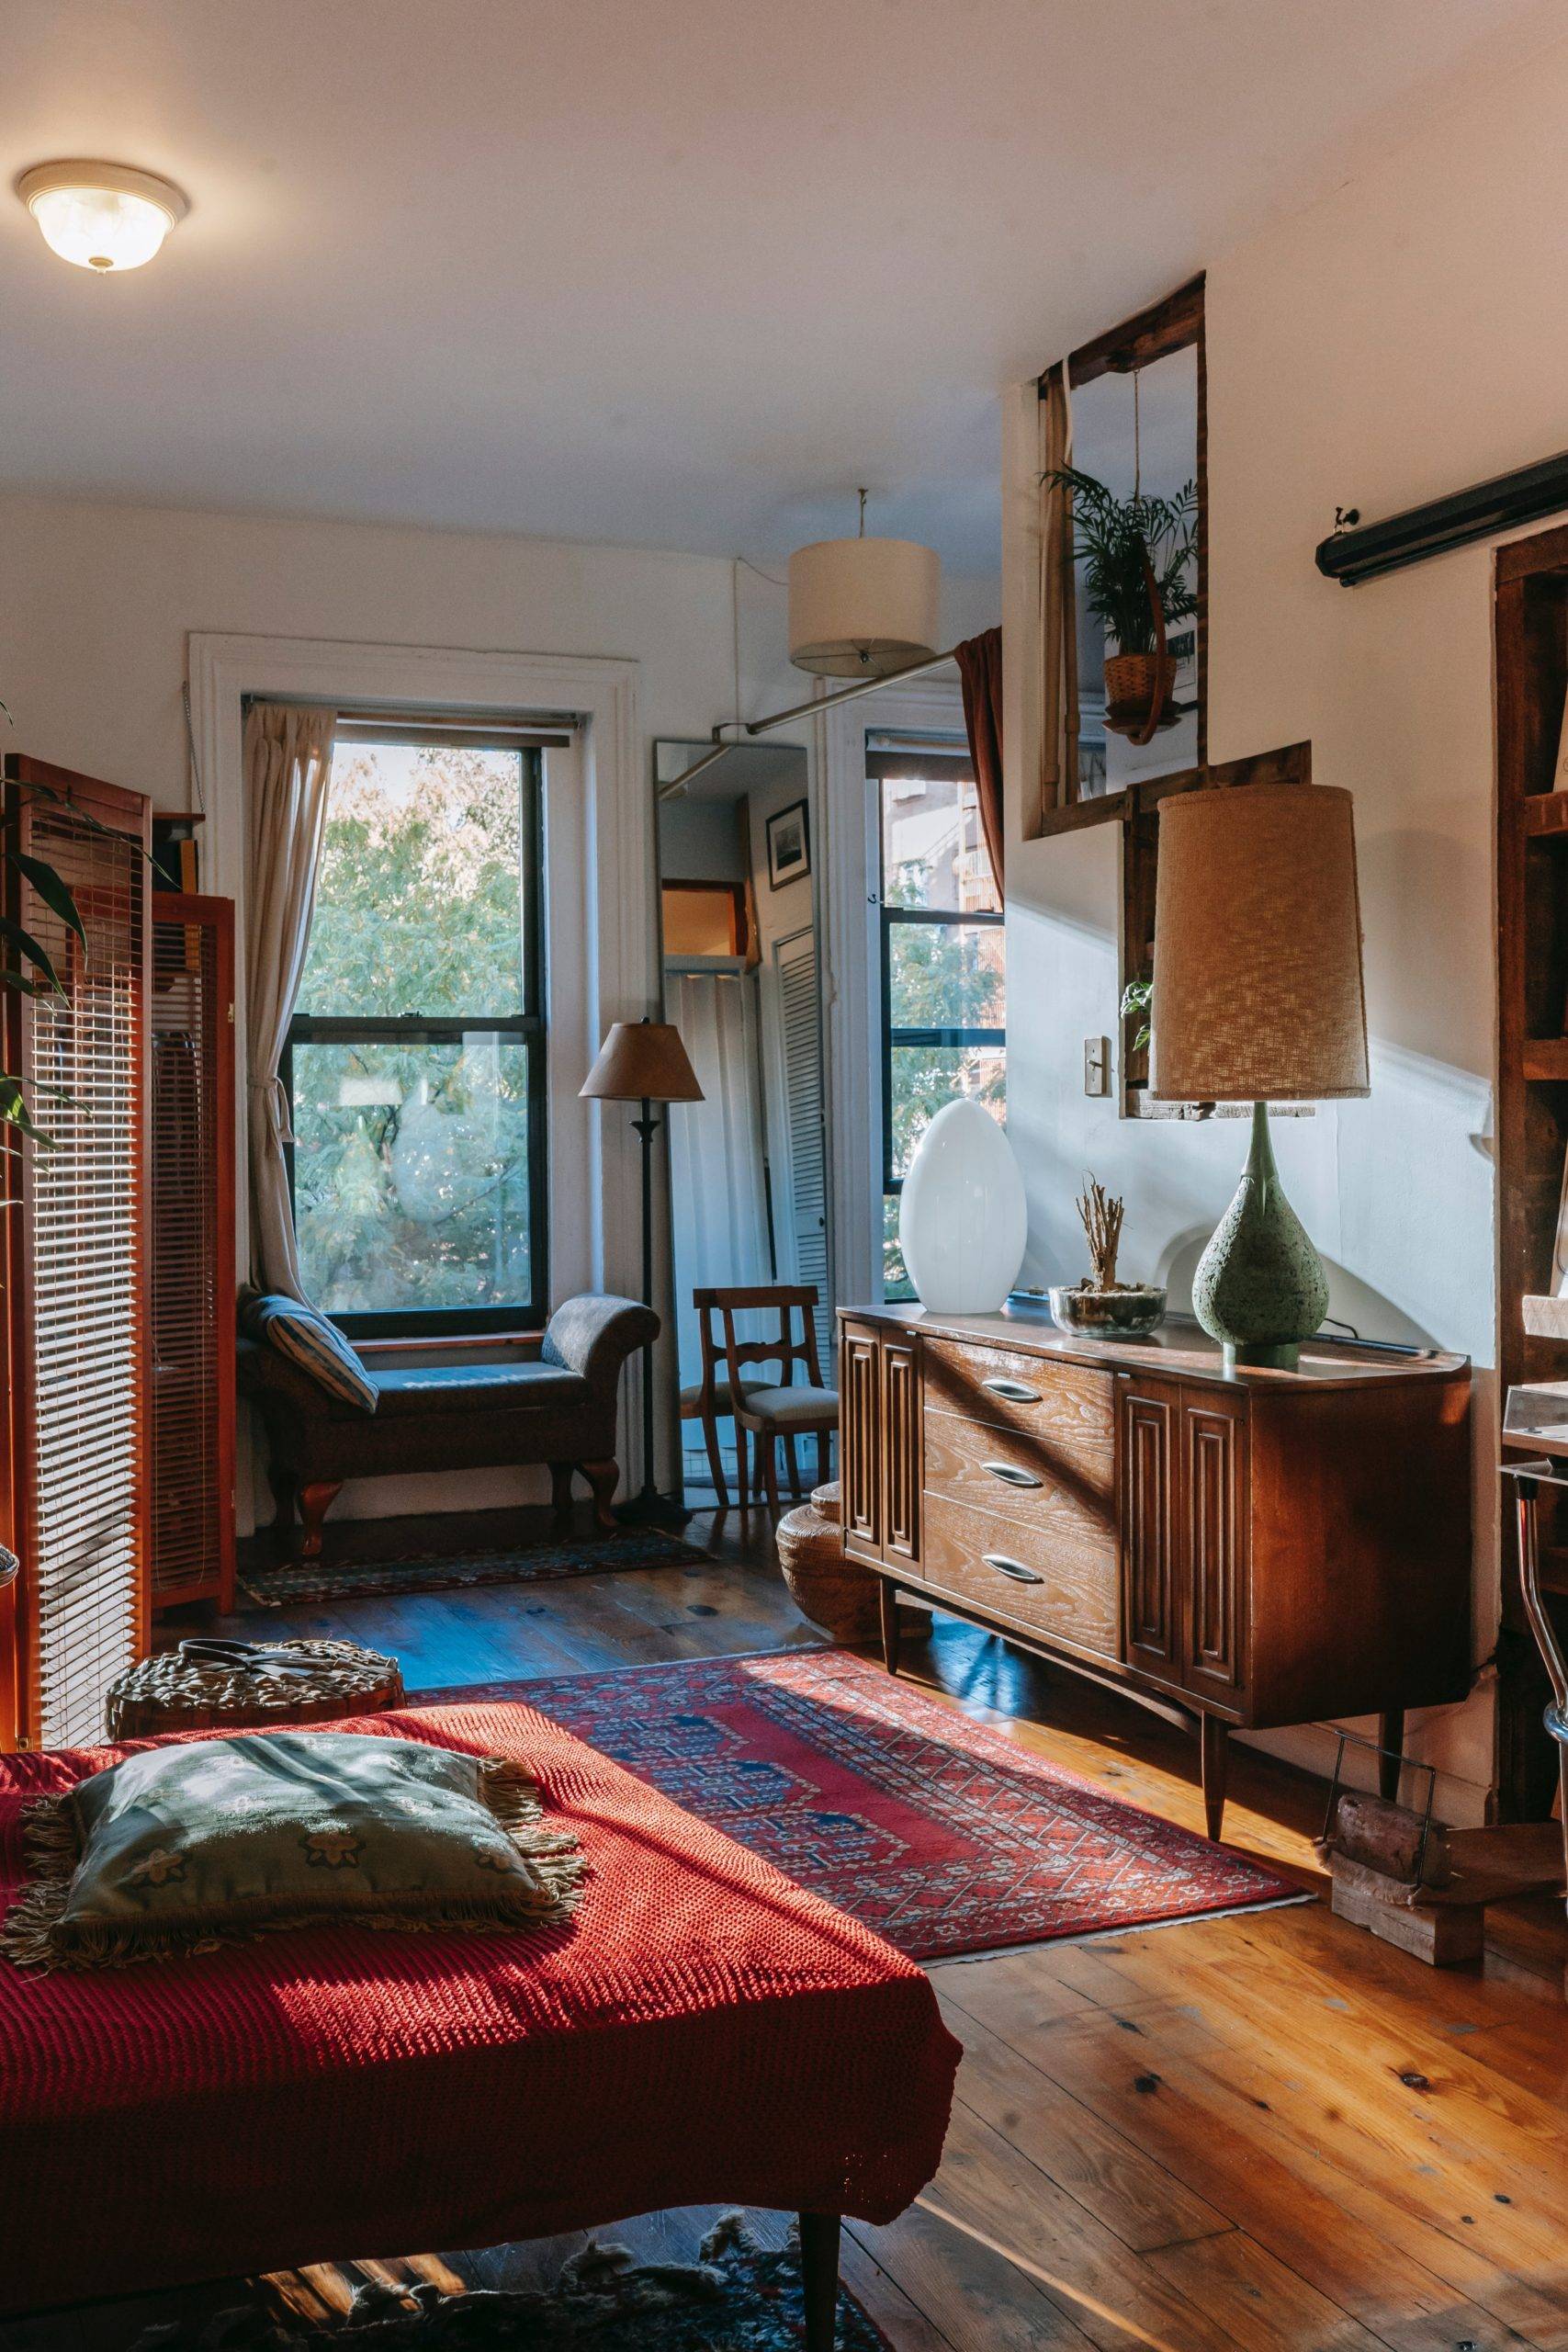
1010	1473
1014	1390
1014	1568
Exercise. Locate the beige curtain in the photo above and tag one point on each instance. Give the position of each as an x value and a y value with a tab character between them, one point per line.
288	758
1059	702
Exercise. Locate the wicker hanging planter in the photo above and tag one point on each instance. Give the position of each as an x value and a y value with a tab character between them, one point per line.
1140	688
1140	693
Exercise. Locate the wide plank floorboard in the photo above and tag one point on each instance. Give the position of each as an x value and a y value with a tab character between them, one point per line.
1267	2132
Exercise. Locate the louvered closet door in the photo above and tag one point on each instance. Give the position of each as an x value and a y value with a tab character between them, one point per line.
192	1188
800	1029
76	1320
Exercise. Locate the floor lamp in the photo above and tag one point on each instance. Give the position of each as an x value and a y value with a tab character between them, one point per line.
644	1062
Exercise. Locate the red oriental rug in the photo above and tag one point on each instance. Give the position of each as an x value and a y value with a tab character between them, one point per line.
941	1833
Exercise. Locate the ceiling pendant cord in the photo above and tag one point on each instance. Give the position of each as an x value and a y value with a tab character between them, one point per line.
1137	441
861	494
735	634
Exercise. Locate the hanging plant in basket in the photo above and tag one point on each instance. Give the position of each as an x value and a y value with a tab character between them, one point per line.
1139	558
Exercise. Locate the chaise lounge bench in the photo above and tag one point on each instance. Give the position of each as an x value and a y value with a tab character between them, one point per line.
701	2031
554	1401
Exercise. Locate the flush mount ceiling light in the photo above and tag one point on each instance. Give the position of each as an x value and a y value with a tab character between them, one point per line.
861	609
103	217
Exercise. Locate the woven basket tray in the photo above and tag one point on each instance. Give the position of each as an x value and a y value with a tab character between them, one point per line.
176	1692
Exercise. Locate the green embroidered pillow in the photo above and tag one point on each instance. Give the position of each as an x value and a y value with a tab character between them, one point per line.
181	1847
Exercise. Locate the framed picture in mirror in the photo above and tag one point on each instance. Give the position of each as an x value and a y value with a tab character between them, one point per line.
789	845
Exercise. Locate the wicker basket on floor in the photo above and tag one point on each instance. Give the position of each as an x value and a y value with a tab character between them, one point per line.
834	1592
250	1686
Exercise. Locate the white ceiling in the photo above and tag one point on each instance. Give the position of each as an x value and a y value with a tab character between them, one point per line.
674	272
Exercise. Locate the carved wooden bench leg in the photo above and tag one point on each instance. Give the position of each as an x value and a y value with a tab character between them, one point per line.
602	1477
316	1498
820	2278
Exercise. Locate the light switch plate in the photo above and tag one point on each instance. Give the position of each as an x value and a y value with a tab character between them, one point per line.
1096	1065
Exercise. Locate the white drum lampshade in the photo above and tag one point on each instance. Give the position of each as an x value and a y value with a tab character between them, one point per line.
963	1220
861	609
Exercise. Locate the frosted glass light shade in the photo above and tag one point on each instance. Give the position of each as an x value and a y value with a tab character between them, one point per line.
963	1220
860	608
103	217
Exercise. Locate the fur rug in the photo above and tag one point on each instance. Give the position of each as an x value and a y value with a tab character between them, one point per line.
737	2297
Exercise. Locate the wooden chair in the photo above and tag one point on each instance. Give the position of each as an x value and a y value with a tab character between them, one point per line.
764	1412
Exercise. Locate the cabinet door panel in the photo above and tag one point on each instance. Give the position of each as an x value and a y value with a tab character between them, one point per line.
901	1454
1216	1515
1151	1526
860	1445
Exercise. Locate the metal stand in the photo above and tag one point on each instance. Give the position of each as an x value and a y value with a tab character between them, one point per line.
650	1508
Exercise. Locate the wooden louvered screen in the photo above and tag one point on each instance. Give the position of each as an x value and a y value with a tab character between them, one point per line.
75	1497
193	1249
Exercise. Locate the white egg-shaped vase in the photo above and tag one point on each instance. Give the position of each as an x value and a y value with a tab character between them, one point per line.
963	1220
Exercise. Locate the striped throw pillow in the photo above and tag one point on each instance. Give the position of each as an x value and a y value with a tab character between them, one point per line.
306	1339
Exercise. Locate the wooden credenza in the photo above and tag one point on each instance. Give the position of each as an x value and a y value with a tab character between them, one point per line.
1242	1551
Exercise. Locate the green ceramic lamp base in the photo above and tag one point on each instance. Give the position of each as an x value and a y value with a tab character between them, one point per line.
1260	1288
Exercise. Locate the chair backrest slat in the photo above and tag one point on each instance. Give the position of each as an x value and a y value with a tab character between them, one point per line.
729	1354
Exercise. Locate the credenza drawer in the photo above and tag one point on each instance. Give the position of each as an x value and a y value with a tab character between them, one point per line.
993	1383
1066	1588
1067	1444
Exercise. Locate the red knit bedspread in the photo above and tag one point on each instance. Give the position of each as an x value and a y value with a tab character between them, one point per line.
703	2031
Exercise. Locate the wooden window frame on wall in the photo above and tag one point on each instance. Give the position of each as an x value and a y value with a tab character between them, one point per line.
1175	323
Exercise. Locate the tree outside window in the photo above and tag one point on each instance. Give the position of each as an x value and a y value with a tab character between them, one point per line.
943	970
416	1055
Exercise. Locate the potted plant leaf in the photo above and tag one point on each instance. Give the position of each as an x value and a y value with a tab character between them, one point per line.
1139	558
1098	1304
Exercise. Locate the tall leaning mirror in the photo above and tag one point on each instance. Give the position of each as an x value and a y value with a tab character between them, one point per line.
741	968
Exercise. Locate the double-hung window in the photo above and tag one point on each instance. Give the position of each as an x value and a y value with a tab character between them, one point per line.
415	1067
943	972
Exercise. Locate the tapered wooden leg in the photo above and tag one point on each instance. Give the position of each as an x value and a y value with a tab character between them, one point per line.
602	1477
792	1459
742	1464
820	2278
1216	1754
316	1500
891	1632
823	1473
560	1491
771	1470
715	1460
1391	1735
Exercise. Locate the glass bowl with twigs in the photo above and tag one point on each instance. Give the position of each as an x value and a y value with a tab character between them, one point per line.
1098	1306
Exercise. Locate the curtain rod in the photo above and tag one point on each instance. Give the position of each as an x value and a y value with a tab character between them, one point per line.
753	727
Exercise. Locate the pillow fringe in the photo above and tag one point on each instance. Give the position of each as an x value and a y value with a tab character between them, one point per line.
51	1847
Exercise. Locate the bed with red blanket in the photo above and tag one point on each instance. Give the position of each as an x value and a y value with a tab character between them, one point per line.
703	2031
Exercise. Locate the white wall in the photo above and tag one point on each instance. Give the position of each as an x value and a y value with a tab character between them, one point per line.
97	602
1401	338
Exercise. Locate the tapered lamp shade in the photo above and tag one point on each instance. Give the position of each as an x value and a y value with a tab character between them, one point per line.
861	609
1258	993
642	1062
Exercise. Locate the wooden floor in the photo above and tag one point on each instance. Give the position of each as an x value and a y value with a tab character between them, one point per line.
1266	2131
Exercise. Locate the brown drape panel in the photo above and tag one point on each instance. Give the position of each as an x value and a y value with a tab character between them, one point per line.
980	668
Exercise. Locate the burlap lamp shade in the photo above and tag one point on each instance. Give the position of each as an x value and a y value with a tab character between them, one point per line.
1259	998
1257	947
